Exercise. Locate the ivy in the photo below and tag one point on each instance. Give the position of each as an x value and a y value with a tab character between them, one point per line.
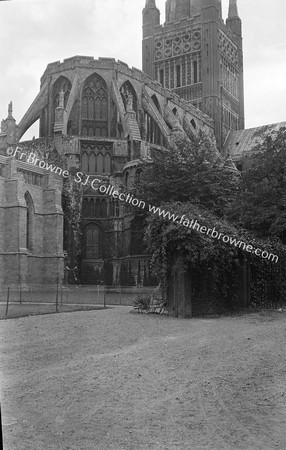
72	205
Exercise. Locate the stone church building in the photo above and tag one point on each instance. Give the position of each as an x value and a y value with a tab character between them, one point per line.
103	119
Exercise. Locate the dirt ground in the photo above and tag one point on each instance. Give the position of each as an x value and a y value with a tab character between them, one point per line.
109	379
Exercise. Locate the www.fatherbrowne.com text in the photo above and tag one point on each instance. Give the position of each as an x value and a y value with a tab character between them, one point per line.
97	185
181	220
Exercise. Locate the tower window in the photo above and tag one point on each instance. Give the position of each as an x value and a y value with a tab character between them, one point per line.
178	75
162	77
195	66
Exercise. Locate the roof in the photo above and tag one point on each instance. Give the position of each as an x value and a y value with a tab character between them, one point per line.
242	142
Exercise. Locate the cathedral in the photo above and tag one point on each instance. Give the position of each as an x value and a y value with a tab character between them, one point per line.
102	119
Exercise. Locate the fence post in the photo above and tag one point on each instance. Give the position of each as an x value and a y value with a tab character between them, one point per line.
67	293
1	433
98	294
104	299
57	297
20	294
8	298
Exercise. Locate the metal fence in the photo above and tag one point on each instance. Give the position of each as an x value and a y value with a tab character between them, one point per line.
77	294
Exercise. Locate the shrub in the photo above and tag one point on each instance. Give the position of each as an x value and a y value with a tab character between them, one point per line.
142	301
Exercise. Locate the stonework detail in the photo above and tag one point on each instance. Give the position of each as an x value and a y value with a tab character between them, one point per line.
195	46
30	202
178	43
99	119
228	49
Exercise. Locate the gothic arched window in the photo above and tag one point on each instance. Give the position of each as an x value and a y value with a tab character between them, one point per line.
91	239
99	163
107	164
156	102
153	133
117	208
92	163
91	131
95	163
29	221
94	111
84	162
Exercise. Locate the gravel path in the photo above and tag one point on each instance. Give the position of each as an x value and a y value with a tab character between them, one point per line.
109	379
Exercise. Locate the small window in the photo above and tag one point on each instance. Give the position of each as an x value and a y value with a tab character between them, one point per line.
29	221
156	102
193	124
117	208
162	77
195	66
100	163
178	73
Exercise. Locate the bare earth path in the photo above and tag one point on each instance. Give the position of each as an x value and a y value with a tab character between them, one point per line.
113	380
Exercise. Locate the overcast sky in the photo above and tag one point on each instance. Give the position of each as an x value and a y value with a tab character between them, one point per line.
35	33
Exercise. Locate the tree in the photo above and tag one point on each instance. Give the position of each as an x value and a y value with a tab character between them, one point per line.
190	170
189	179
261	200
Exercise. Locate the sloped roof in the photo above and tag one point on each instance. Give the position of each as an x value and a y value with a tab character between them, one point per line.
239	143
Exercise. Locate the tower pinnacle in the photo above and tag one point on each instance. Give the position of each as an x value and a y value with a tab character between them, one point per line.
150	4
10	109
232	10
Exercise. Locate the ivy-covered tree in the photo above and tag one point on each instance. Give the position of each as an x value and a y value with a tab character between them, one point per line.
190	180
261	201
72	204
202	251
190	170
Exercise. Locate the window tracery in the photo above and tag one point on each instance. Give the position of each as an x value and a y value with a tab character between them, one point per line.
91	241
96	159
95	107
29	221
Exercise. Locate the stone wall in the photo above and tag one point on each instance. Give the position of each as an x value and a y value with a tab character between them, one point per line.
42	261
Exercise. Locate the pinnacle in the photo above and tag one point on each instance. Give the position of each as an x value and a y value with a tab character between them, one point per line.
232	10
150	4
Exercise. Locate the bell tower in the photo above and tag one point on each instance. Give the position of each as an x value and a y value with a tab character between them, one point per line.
198	56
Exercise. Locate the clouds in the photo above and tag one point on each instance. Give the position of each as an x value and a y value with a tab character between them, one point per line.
35	33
